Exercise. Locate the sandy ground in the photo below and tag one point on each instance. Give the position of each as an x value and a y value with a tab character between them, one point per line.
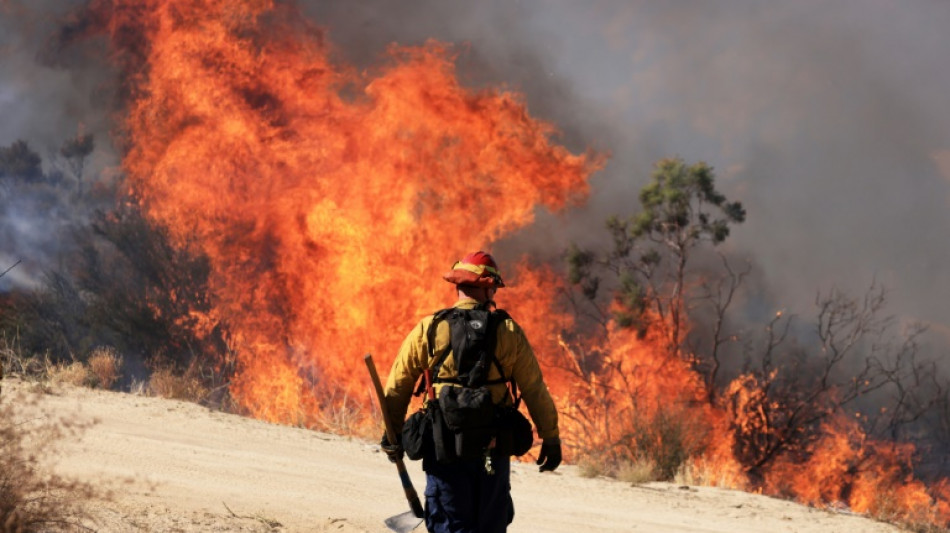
176	466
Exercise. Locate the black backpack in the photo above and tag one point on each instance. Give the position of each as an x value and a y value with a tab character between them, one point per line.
462	422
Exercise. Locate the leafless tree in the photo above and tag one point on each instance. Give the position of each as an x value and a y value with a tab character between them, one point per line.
791	389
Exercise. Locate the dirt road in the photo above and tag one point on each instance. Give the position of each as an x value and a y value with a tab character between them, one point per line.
177	466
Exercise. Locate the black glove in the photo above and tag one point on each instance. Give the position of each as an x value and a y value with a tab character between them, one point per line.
550	456
393	451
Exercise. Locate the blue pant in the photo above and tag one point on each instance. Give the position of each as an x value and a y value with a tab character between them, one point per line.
463	498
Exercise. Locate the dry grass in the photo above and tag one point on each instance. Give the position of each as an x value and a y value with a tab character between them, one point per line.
923	518
917	526
165	382
591	466
669	438
74	373
345	418
14	362
31	498
698	472
138	388
637	472
100	371
105	366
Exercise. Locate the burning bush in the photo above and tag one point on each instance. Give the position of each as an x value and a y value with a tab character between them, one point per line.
656	389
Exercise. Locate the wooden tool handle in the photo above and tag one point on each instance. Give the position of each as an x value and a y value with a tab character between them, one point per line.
410	491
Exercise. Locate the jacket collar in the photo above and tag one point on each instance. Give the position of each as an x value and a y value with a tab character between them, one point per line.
466	303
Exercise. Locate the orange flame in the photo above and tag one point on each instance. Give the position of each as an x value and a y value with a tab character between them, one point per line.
845	467
328	202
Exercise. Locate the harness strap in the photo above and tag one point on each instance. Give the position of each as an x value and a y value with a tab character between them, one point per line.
436	361
492	326
430	342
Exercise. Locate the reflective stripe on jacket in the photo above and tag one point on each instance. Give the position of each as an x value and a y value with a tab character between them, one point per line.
512	350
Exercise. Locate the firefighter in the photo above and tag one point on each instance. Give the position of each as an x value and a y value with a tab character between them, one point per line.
473	495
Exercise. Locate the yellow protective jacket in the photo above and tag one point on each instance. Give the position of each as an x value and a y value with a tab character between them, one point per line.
512	350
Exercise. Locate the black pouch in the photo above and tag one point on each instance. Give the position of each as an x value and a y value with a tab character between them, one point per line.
515	434
472	443
443	439
417	434
466	408
470	417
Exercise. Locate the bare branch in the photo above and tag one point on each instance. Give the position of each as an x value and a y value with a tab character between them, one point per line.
11	267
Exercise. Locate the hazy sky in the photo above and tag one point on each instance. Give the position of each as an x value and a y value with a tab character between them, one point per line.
830	121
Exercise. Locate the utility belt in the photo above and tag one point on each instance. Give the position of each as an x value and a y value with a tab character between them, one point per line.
463	424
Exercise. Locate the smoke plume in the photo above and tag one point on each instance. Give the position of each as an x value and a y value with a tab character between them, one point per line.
827	122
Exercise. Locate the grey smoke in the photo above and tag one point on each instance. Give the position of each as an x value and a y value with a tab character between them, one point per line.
44	100
829	121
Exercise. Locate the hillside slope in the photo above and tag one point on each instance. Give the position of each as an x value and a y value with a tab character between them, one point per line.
176	466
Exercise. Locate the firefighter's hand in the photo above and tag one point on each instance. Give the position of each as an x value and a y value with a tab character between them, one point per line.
550	456
393	451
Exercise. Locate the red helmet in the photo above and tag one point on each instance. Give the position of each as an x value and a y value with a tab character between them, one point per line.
478	269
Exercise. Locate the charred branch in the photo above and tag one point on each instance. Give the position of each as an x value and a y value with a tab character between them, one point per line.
790	393
11	267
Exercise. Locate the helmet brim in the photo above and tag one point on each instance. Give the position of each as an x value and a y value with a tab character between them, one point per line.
465	277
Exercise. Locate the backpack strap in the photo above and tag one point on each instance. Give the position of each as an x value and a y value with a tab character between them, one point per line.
430	342
436	361
500	315
494	319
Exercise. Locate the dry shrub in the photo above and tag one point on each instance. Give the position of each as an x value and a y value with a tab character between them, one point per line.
74	373
590	466
698	472
104	367
917	526
668	439
342	417
31	498
165	382
637	472
138	388
885	506
656	447
15	362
